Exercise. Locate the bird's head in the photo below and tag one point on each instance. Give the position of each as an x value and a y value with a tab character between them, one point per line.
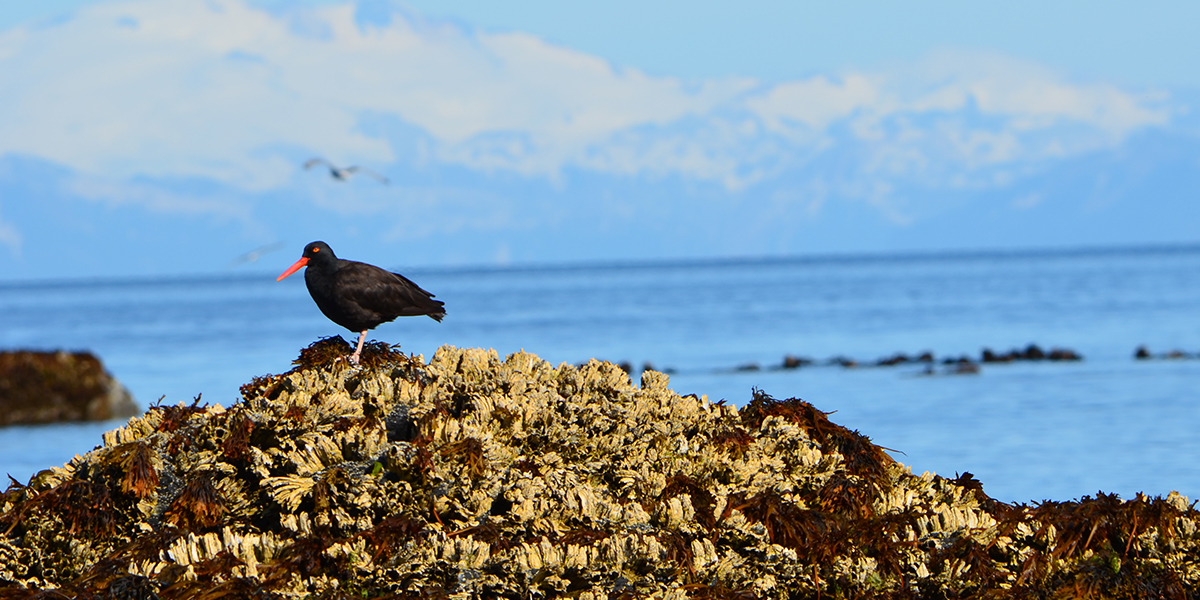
315	252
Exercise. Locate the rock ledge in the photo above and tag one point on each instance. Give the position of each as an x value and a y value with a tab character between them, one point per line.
473	476
52	387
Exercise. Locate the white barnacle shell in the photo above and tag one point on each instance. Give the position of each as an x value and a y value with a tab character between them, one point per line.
680	512
313	453
532	557
135	429
634	515
578	556
289	490
704	554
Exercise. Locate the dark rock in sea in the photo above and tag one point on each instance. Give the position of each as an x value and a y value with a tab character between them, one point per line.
747	367
472	476
52	387
795	362
1030	353
844	361
1063	354
1142	353
896	359
950	360
901	358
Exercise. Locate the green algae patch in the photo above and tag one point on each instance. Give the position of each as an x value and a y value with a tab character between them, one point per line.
472	476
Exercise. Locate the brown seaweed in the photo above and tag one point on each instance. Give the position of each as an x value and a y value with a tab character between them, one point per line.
475	476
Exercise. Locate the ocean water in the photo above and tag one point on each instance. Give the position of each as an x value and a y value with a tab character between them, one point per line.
1028	430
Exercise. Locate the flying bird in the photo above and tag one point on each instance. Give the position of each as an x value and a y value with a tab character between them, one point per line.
359	296
343	174
255	254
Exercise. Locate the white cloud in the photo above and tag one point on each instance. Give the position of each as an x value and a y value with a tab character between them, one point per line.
200	88
1034	96
163	97
219	90
155	198
963	110
815	102
1028	201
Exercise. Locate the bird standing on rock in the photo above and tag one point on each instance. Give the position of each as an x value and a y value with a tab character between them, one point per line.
359	296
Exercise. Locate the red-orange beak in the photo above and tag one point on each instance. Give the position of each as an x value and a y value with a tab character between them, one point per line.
292	269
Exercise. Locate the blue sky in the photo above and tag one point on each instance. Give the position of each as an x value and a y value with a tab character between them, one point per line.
1145	43
141	137
1130	44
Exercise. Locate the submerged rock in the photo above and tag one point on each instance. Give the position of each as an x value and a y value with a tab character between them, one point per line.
476	476
51	387
1031	353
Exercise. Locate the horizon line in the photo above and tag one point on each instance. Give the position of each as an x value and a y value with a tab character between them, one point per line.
656	263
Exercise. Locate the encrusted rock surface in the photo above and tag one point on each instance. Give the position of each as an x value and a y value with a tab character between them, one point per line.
50	387
474	476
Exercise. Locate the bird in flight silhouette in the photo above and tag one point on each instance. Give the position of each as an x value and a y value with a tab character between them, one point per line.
343	174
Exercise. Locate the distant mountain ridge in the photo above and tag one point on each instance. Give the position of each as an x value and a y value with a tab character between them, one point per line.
1142	193
502	148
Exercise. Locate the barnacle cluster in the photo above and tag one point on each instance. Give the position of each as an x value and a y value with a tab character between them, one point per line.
476	476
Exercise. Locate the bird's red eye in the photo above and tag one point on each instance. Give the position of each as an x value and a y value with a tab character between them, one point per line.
316	249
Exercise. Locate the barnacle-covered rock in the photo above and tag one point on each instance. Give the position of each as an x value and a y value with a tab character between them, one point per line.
476	476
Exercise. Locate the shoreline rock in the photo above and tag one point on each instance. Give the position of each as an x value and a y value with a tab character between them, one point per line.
53	387
476	476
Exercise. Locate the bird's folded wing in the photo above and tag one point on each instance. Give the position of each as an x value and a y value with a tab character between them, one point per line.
385	292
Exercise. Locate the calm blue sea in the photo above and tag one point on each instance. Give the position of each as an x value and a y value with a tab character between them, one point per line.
1028	431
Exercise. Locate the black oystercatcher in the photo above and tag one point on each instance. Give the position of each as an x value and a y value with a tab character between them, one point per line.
343	174
359	296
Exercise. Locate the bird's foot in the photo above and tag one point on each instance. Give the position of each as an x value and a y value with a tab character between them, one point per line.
354	360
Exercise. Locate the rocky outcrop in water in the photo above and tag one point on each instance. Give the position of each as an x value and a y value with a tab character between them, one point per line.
473	476
1143	353
51	387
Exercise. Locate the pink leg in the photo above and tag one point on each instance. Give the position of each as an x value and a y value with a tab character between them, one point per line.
362	337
